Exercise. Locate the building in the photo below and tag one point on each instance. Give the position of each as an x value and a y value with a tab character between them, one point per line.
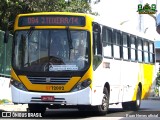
157	48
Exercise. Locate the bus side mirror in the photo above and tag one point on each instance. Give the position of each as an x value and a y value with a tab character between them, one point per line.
6	36
96	27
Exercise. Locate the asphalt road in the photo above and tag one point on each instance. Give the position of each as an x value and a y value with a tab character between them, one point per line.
150	109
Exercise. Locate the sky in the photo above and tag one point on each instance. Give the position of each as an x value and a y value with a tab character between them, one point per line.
118	11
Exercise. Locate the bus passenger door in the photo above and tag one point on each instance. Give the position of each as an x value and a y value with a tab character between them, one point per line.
111	52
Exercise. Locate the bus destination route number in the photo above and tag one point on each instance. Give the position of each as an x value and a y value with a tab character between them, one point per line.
51	20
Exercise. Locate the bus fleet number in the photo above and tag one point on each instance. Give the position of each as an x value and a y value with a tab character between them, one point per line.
54	87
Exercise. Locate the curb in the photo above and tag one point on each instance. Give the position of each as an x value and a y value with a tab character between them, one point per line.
153	98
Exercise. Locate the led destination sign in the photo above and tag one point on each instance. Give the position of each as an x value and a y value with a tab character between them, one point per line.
47	20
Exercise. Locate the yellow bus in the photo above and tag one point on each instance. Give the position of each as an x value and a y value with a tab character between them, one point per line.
63	59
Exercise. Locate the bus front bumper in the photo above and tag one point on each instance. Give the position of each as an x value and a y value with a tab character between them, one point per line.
82	97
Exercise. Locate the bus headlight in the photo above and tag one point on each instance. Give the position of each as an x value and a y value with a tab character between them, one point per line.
18	85
81	85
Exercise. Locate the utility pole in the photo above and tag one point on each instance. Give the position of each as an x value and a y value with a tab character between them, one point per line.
158	24
140	19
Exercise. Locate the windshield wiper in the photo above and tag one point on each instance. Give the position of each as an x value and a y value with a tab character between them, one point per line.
30	31
69	40
23	40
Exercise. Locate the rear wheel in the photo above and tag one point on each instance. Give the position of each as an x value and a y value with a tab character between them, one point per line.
133	105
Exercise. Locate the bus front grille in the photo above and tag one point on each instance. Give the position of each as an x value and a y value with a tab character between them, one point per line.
48	80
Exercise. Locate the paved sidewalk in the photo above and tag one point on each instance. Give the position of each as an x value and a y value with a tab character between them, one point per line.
12	107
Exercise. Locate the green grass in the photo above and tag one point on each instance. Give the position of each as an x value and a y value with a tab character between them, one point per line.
4	101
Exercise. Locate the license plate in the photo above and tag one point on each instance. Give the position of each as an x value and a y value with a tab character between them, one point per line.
47	98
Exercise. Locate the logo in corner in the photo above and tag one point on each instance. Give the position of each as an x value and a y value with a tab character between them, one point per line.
147	9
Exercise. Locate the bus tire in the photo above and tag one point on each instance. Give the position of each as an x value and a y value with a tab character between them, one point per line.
37	108
133	105
103	109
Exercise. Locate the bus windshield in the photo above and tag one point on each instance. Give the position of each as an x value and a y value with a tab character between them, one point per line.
50	50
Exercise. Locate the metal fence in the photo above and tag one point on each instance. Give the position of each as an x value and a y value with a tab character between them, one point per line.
5	55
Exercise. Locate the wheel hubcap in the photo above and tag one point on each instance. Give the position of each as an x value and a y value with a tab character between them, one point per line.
104	103
138	100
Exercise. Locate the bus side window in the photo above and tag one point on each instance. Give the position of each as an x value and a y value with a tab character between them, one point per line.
133	48
97	45
146	51
116	44
139	48
125	47
107	42
151	52
97	50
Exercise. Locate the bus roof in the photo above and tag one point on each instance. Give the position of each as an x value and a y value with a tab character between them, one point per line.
103	21
53	13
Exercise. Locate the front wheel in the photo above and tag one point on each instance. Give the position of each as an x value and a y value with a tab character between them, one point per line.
103	108
133	105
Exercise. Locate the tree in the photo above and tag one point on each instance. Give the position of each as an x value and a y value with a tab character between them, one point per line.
158	79
9	9
157	84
